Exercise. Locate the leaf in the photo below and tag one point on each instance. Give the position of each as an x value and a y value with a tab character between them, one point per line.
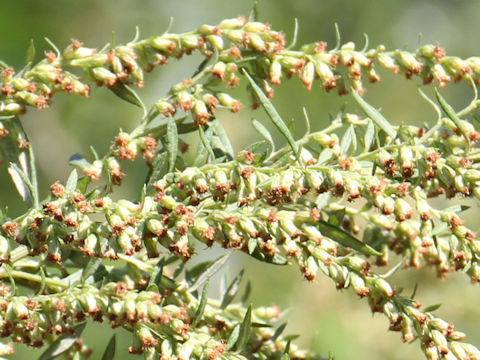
374	114
219	130
347	140
209	272
109	353
126	93
278	332
246	294
172	143
21	182
205	137
92	266
274	116
447	109
245	330
30	52
335	218
369	135
262	130
432	308
79	160
232	290
58	347
72	181
158	170
232	339
201	306
345	239
325	156
252	245
156	275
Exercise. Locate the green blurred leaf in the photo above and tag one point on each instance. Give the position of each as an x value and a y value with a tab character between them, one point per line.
245	330
432	308
126	93
232	290
374	114
72	181
274	116
232	339
109	353
201	306
171	143
58	347
219	130
345	239
369	135
30	53
213	267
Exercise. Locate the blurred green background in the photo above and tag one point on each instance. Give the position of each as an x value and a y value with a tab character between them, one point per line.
328	321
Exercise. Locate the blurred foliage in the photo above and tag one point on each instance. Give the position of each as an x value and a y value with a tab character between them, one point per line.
328	320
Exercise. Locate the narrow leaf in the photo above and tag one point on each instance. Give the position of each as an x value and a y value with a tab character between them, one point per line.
79	160
274	116
72	181
30	53
245	330
58	347
232	340
156	275
209	272
219	130
158	170
369	134
21	182
246	294
375	115
347	140
201	306
205	137
232	290
172	143
432	308
345	239
278	332
109	353
126	93
447	109
262	130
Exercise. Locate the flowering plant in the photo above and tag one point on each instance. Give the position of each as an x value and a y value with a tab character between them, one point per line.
341	201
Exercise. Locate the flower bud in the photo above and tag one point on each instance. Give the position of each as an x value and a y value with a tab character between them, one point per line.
216	41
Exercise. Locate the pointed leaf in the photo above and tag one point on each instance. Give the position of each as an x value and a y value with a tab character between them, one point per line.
21	182
232	339
30	53
222	135
262	130
109	353
126	93
432	308
156	275
209	272
245	330
278	332
58	347
274	116
452	116
232	290
172	143
158	170
246	294
345	239
369	135
375	115
201	306
347	140
71	184
79	160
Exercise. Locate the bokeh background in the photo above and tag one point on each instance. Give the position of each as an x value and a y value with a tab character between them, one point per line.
328	320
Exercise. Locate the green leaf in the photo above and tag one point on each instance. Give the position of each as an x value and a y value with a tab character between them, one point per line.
126	93
345	239
374	114
447	109
262	130
246	294
369	135
252	245
58	347
172	143
156	275
278	332
245	330
347	140
22	183
274	116
30	53
219	130
232	339
432	308
92	266
72	181
79	160
209	272
158	170
232	290
109	353
205	137
201	306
